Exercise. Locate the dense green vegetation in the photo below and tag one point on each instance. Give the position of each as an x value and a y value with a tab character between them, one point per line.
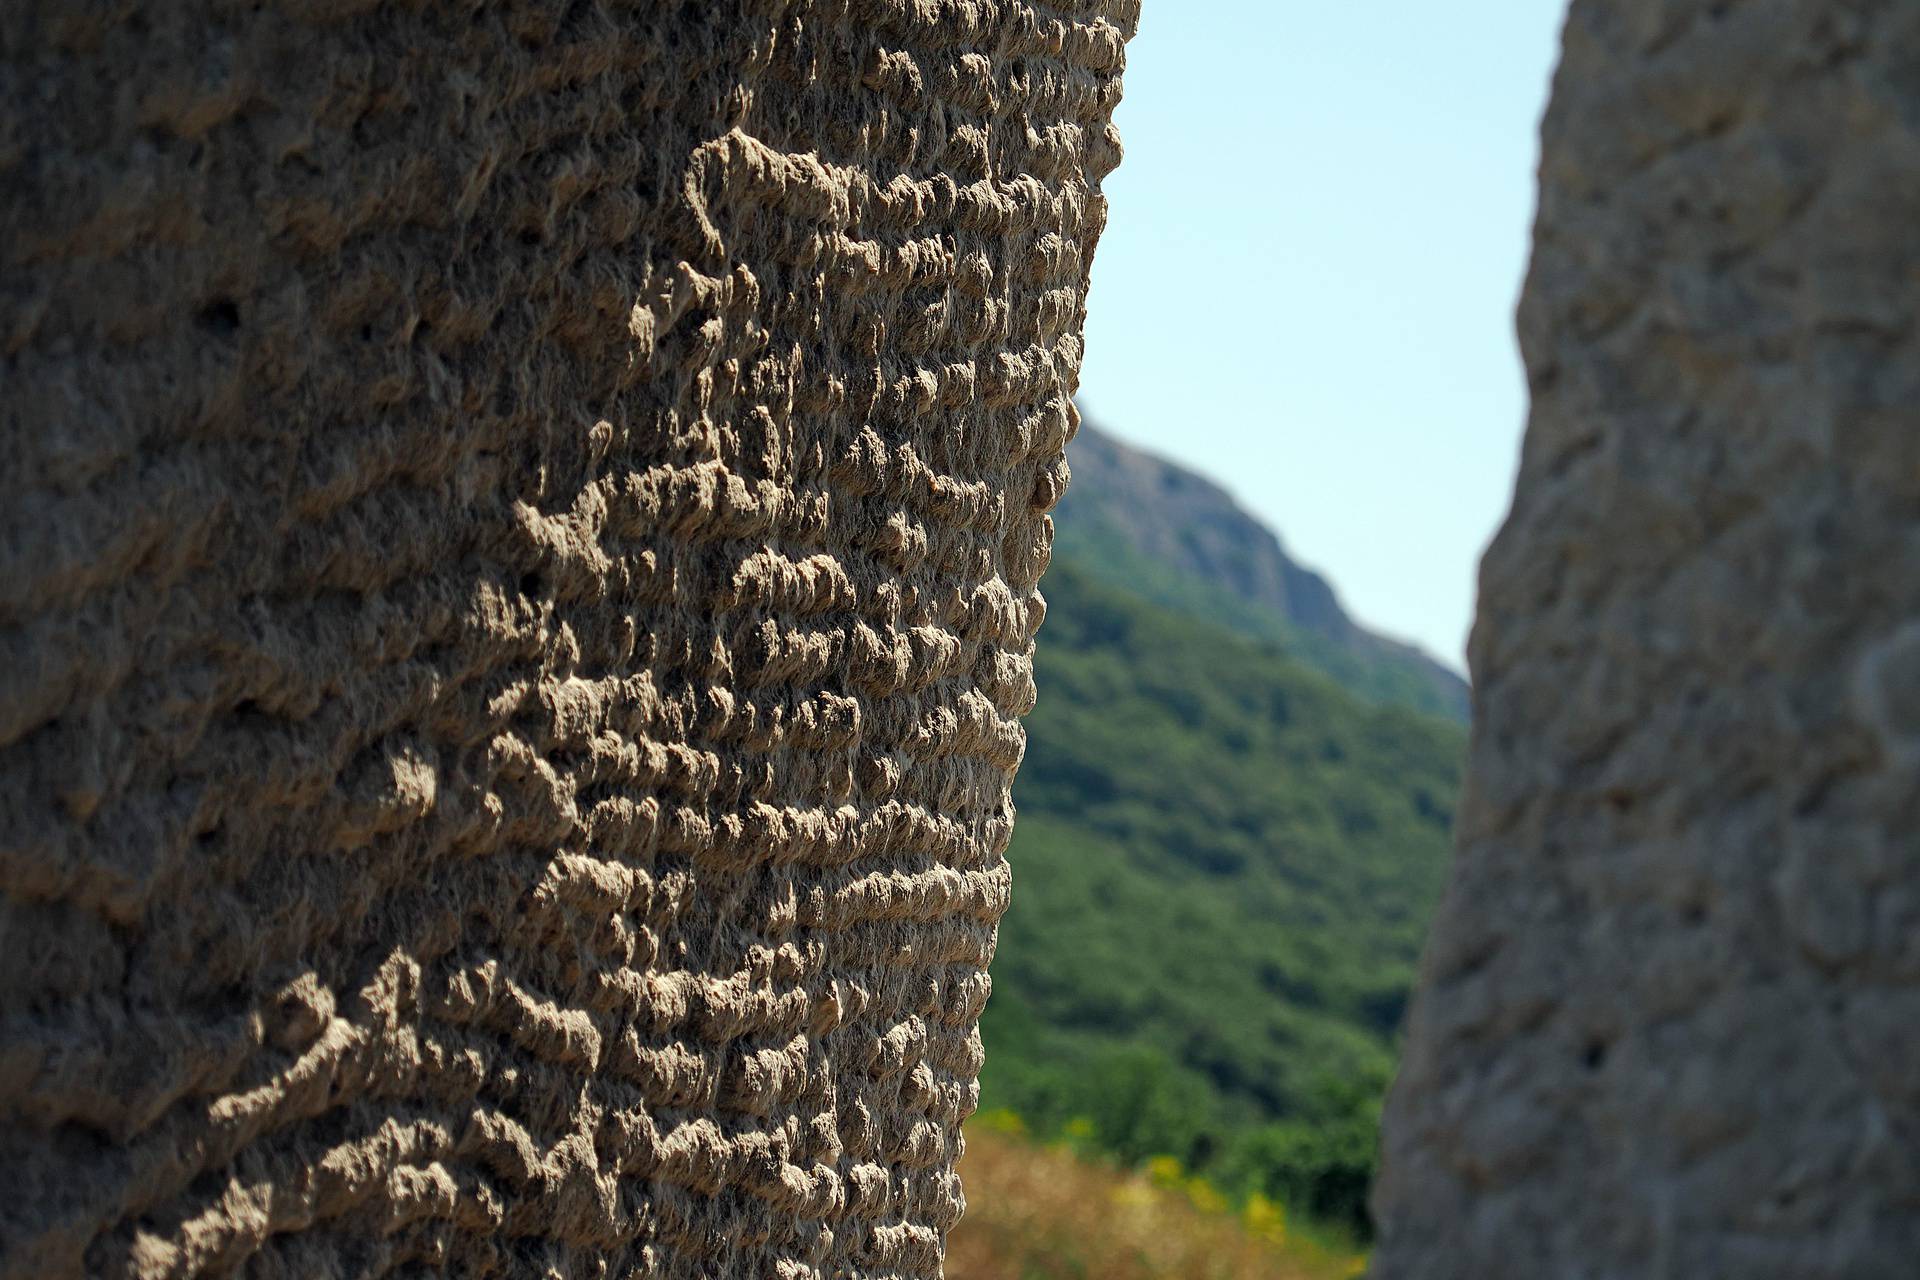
1224	865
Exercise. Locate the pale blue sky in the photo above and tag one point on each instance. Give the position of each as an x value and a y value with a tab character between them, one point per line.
1306	286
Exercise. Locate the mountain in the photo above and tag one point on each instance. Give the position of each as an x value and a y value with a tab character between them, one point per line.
1141	523
1224	864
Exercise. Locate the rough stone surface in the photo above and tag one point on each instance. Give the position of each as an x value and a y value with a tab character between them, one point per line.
517	584
1669	1023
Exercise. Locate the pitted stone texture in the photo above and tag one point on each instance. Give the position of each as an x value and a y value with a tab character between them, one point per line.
1669	1022
517	587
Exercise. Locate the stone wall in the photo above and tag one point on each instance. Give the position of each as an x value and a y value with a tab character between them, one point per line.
1669	1023
517	587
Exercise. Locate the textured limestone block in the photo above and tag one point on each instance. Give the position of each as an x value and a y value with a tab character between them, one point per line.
1669	1022
517	585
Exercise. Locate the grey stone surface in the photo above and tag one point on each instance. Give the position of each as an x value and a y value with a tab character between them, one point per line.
1669	1020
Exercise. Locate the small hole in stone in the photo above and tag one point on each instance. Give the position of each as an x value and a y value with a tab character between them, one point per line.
222	317
1620	801
530	237
366	333
530	585
1595	1055
1694	913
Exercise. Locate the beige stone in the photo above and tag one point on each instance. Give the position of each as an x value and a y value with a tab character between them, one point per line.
516	592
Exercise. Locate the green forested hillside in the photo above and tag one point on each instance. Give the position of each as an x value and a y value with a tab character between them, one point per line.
1223	867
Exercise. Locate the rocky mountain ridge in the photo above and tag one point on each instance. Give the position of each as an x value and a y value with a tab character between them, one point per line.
1173	536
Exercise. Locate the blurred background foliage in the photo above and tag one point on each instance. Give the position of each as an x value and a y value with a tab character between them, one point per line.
1224	864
